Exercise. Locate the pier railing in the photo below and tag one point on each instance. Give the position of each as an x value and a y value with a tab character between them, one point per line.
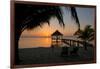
72	42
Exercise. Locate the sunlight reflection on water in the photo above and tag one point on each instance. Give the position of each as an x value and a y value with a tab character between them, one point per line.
34	42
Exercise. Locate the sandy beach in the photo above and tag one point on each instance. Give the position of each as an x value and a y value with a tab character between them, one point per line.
42	55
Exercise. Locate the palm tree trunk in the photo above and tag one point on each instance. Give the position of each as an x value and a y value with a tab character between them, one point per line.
17	36
85	45
16	52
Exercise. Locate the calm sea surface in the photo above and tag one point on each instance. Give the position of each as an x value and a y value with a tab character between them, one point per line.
33	42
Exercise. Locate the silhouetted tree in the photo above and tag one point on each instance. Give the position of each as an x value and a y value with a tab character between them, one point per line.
28	16
87	34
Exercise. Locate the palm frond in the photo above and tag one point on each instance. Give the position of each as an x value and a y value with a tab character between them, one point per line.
28	16
75	16
86	34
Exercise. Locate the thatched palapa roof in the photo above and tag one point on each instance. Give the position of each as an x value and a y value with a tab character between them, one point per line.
56	33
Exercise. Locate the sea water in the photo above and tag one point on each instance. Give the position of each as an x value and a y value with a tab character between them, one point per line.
34	42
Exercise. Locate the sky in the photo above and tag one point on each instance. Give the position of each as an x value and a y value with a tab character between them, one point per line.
85	15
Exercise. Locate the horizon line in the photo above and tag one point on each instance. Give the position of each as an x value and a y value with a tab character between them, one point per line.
41	36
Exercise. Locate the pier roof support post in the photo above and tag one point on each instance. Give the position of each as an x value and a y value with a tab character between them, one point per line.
70	43
78	43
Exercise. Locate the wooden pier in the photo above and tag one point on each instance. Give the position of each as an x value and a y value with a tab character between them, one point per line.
72	42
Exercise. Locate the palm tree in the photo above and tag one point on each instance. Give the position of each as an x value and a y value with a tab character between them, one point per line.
28	16
86	35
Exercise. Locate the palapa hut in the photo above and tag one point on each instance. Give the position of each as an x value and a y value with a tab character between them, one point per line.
56	38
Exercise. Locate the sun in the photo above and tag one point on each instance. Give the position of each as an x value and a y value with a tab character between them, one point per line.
46	33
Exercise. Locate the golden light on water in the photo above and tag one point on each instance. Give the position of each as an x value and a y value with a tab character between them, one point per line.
34	42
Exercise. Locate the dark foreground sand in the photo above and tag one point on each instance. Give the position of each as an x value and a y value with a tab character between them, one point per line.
48	55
